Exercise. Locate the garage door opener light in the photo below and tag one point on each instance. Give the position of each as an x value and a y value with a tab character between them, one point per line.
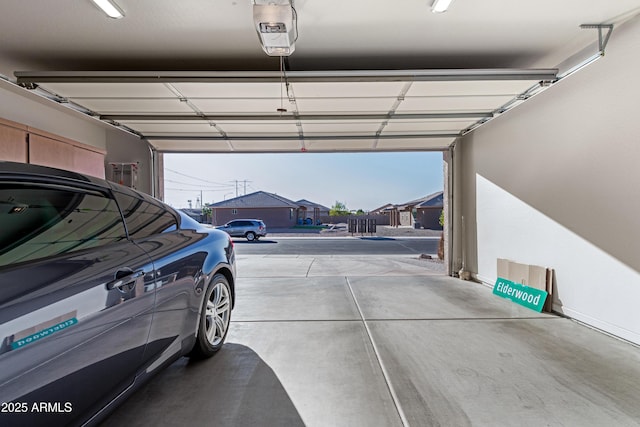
110	8
276	25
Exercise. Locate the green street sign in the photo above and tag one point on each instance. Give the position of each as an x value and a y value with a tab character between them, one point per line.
520	294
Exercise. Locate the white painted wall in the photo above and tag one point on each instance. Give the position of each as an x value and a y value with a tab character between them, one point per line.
556	182
22	106
19	105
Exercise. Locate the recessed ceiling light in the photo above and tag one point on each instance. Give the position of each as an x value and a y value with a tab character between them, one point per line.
110	8
440	6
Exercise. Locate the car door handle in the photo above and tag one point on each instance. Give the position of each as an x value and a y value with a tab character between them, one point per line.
124	280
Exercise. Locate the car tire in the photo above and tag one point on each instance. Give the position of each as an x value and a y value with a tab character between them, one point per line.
215	317
251	236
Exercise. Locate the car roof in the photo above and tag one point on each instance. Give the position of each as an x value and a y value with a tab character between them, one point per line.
46	173
13	168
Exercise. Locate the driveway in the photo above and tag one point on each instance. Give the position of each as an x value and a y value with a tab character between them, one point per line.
389	341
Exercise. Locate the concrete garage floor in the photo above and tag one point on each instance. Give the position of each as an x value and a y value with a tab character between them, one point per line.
387	341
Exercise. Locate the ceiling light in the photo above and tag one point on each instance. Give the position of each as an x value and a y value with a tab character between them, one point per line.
110	8
440	6
275	22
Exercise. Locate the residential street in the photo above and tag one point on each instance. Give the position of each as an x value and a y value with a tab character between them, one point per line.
338	246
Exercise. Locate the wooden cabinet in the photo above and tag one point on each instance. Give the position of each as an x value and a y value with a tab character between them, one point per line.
20	143
13	142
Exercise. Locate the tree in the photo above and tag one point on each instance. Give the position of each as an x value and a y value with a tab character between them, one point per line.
338	209
206	214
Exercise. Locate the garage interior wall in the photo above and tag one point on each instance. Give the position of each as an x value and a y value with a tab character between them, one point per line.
556	182
23	107
126	148
27	110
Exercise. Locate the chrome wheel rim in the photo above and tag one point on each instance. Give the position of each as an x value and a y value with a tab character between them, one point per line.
217	314
250	236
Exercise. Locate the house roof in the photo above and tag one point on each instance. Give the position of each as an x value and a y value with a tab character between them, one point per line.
386	207
311	205
259	199
434	200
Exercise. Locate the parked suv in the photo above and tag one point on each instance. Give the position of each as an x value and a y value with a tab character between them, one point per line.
251	229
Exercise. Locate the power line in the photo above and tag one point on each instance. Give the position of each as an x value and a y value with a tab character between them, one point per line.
194	190
196	178
220	188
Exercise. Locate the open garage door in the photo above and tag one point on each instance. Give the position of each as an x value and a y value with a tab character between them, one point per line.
280	111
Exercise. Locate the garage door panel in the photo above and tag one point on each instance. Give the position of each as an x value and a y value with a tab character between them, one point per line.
350	105
177	145
179	127
134	105
111	90
271	145
404	144
261	128
240	106
347	89
229	90
426	126
341	126
340	145
470	88
454	103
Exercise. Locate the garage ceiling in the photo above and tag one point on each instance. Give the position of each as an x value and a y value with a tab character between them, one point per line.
367	75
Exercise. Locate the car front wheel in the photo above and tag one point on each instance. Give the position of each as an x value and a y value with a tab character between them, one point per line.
215	318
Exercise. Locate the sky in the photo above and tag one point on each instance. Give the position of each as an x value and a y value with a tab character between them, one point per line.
359	180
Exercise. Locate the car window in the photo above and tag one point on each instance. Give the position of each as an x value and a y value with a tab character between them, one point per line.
143	218
41	220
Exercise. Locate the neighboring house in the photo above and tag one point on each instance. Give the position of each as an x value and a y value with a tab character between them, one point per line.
276	211
428	211
383	210
423	212
313	210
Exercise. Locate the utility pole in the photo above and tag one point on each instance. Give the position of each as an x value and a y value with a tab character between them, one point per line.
245	185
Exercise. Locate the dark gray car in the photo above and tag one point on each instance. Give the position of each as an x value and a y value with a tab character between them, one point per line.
251	229
100	287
